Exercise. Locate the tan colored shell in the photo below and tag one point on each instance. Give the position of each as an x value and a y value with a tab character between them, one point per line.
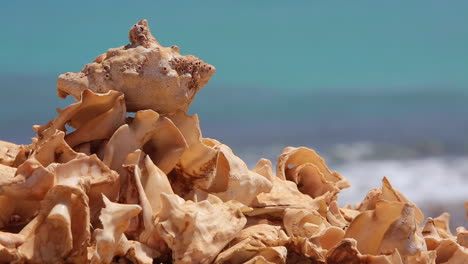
310	227
94	117
387	193
213	167
197	232
115	219
16	212
390	225
8	152
149	182
155	135
149	75
30	181
462	236
61	230
449	252
284	194
347	252
101	179
260	243
307	169
52	149
335	216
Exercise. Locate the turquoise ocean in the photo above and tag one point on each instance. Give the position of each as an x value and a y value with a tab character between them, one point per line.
377	88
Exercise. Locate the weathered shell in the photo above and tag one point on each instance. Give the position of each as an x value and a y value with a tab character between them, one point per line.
212	166
197	232
390	225
256	243
115	220
347	252
61	230
307	169
149	75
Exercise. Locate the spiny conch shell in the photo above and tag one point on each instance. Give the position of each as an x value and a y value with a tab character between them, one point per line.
53	149
8	247
349	213
422	257
242	184
11	240
462	236
21	190
102	180
437	229
346	252
390	194
449	252
213	167
335	216
30	181
61	230
94	117
300	224
136	252
115	219
197	232
303	250
284	194
263	243
8	152
248	252
157	136
9	255
303	223
16	212
391	225
309	171
149	182
151	76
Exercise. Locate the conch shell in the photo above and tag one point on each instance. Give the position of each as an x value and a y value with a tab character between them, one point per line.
211	166
197	232
307	169
149	75
390	225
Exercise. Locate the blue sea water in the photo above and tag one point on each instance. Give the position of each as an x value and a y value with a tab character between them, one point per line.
378	89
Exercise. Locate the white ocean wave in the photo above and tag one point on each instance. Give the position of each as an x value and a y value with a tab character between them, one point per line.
421	180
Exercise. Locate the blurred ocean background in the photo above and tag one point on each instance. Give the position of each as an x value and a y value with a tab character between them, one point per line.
377	88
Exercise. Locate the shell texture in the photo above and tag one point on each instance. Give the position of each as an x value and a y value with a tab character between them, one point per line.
100	185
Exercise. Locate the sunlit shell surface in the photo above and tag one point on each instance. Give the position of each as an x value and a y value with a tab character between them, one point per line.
98	185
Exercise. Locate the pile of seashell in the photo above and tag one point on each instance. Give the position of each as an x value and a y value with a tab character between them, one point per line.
151	189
